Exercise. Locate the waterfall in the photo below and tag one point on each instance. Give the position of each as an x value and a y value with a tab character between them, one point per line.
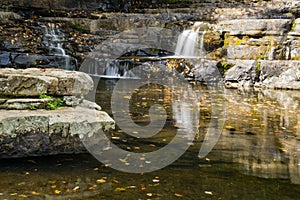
53	40
189	44
109	68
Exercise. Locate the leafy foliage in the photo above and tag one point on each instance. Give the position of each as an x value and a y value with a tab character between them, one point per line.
54	103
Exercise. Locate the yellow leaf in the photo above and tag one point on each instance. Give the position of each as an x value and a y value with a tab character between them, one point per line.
120	189
102	180
23	195
57	191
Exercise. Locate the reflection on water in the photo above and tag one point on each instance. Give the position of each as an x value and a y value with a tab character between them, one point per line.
256	156
262	133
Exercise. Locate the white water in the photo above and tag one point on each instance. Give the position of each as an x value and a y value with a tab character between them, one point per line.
189	44
108	68
54	39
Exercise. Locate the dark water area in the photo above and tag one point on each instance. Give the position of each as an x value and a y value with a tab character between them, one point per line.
255	157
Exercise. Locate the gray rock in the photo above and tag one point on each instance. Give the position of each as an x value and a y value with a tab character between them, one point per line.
280	74
255	27
245	51
72	100
33	82
6	17
43	132
89	105
23	104
207	71
243	73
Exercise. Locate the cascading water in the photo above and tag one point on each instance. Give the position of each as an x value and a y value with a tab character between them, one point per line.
53	40
108	68
189	44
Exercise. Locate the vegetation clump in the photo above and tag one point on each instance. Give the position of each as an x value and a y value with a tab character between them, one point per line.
54	103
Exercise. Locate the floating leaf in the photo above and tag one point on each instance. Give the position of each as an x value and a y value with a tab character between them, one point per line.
57	191
120	189
76	188
100	181
178	195
34	193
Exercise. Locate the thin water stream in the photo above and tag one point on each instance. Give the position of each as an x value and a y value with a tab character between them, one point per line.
256	157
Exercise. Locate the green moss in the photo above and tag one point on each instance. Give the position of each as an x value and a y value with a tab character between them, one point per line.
258	66
293	26
296	58
31	107
232	40
240	41
78	27
226	66
54	103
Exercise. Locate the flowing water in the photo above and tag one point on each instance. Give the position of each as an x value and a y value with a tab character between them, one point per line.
53	40
256	156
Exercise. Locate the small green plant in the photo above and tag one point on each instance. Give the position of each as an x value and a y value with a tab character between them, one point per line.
293	26
226	66
258	66
54	103
44	96
31	107
78	27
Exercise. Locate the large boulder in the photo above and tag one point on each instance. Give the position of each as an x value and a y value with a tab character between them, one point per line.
44	132
43	112
34	82
243	73
279	74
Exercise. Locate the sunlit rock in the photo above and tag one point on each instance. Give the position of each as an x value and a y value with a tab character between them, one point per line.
33	82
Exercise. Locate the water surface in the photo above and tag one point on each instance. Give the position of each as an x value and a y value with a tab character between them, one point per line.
256	156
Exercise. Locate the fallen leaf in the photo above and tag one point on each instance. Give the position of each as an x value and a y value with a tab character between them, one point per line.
76	188
178	195
57	191
102	180
120	189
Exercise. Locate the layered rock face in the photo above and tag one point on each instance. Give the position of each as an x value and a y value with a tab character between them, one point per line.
43	112
249	39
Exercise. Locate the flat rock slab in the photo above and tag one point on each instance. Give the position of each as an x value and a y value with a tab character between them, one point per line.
255	27
33	82
42	132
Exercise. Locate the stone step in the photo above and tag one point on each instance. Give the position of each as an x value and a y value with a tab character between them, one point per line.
43	132
34	82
